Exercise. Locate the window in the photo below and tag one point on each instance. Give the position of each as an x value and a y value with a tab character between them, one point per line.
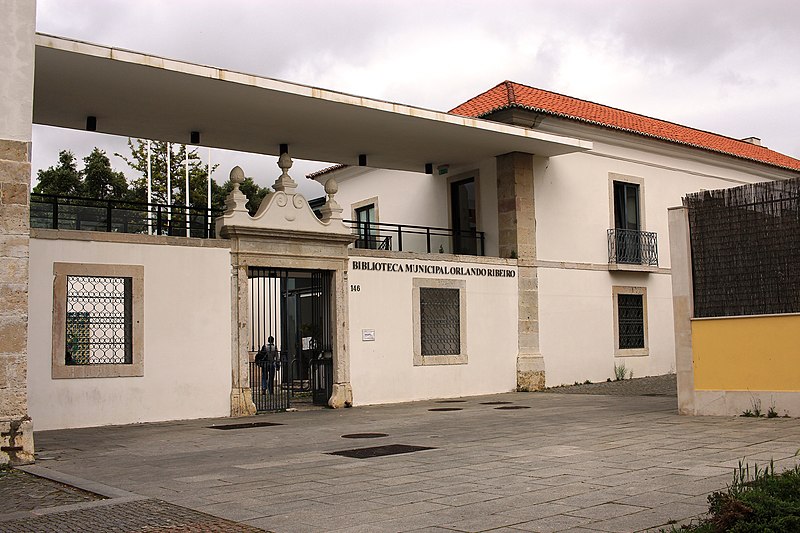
97	320
439	322
627	222
630	321
464	216
367	231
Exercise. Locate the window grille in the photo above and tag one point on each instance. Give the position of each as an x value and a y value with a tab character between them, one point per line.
440	321
630	313
99	320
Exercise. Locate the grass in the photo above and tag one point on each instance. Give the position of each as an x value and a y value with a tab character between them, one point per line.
620	372
757	500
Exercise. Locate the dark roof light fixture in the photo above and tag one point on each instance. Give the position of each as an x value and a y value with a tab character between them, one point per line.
428	168
362	160
91	123
194	137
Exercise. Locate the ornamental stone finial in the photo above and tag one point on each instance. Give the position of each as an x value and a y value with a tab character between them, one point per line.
237	177
285	183
331	210
236	200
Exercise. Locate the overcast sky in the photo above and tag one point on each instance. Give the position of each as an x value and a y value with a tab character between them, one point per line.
727	66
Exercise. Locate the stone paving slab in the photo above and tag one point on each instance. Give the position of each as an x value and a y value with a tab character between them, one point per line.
569	462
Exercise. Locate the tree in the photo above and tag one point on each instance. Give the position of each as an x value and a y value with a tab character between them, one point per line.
100	180
254	192
198	173
177	166
62	179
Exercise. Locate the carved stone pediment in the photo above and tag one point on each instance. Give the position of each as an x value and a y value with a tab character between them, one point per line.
284	209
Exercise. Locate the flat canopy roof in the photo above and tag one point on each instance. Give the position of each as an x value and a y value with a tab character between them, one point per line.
138	95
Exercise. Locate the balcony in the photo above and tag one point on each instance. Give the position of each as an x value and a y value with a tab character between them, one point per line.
410	238
120	216
632	249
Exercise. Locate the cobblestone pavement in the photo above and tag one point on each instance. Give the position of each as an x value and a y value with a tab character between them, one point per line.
650	386
23	492
33	504
148	516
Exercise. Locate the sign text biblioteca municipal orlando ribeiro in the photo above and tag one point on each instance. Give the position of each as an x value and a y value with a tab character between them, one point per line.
416	268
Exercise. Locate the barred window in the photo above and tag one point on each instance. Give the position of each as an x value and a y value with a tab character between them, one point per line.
630	313
99	320
440	321
630	321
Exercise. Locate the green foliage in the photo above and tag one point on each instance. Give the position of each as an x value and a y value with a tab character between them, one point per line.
772	412
620	372
254	192
757	500
100	180
755	412
178	154
61	179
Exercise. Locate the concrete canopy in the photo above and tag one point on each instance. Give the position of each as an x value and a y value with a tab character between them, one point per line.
138	95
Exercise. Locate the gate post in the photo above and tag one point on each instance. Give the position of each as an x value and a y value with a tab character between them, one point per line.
241	393
284	233
342	395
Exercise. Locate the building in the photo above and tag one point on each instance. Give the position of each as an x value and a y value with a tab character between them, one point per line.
452	256
588	229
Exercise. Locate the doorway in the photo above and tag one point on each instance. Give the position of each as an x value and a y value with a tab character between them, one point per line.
464	217
291	341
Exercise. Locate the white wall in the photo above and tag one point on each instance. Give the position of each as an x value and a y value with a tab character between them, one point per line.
187	338
420	199
573	214
382	371
576	322
573	207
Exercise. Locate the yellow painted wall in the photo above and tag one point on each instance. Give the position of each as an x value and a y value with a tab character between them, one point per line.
747	354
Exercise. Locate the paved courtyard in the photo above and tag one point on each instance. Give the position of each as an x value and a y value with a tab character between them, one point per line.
542	462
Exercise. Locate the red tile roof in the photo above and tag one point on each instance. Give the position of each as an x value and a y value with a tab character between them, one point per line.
325	170
514	95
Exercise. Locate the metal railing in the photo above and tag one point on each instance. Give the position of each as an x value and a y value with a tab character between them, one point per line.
632	247
120	216
411	238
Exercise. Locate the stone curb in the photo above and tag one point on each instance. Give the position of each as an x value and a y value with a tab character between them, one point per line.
113	495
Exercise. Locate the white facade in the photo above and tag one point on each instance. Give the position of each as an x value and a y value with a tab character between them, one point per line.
381	307
574	210
187	335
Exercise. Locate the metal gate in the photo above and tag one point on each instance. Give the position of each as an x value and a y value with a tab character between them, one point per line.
290	319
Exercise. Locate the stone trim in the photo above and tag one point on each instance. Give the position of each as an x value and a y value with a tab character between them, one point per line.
60	370
126	238
423	256
632	352
365	203
601	267
430	360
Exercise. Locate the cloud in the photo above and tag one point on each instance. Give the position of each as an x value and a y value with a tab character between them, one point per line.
696	63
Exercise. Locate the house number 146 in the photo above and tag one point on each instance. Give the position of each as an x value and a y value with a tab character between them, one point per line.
355	288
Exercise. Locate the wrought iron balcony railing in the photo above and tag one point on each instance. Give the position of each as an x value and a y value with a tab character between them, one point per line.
632	247
409	238
120	216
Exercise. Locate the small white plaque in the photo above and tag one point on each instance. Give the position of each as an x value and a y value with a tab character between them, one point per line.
367	335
